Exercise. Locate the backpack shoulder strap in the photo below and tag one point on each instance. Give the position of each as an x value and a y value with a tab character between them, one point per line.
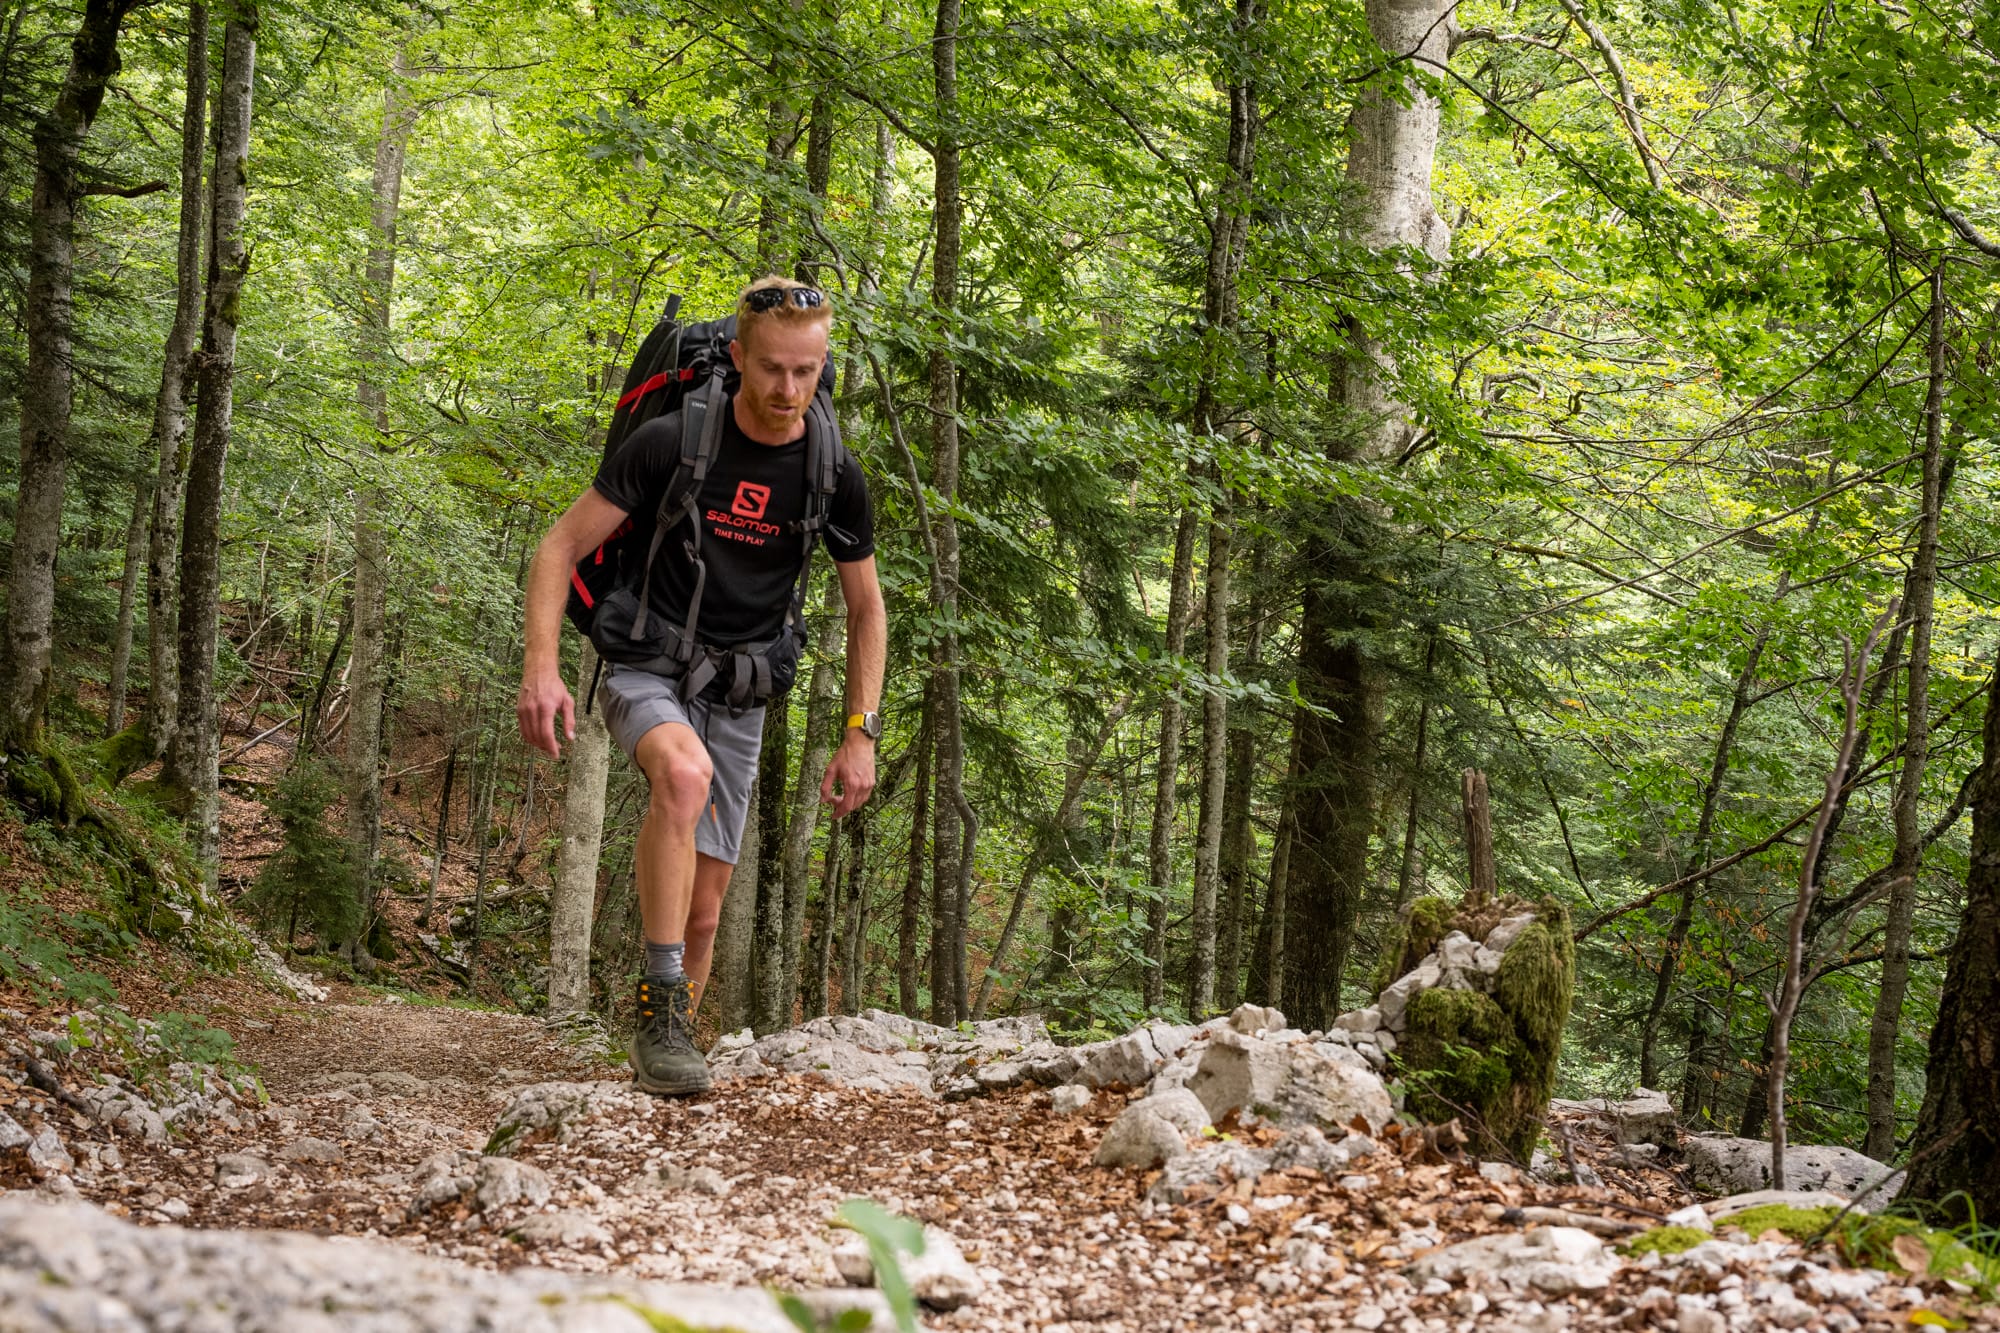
701	435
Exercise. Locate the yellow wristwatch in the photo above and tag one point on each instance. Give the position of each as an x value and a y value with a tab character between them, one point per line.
869	724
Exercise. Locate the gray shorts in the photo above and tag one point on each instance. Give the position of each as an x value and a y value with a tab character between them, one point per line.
636	701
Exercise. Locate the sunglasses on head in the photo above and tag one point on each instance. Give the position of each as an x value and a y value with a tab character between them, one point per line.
766	299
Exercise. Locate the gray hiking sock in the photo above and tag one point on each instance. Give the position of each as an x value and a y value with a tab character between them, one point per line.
664	960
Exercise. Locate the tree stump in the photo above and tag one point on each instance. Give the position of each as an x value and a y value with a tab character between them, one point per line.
1482	990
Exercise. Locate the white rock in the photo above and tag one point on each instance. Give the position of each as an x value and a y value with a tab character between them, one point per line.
1360	1020
1552	1260
1723	1164
1070	1098
46	1154
1503	935
310	1149
1238	1214
240	1170
1153	1129
1500	1173
569	1231
1396	996
1719	1209
940	1277
1486	960
12	1136
501	1182
1694	1216
1370	1317
1456	950
1254	1020
1290	1084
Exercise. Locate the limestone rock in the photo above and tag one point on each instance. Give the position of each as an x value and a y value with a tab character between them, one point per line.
551	1111
1504	934
12	1136
71	1266
696	1179
568	1231
126	1111
1305	1145
1725	1165
1070	1098
1153	1129
1254	1020
1722	1209
502	1182
240	1170
47	1155
1288	1083
1551	1260
310	1149
1205	1168
1129	1060
1396	996
850	1052
1644	1117
940	1277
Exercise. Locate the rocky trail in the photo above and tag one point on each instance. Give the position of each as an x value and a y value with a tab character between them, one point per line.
436	1168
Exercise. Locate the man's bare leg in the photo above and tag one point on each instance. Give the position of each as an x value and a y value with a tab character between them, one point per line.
711	882
677	768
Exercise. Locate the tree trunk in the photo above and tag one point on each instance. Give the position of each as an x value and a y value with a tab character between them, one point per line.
575	896
1407	868
443	835
822	718
825	926
1954	1159
128	596
1711	799
190	765
732	978
48	325
1214	772
1167	765
1919	596
367	670
908	1000
1278	897
854	924
488	776
1238	838
957	827
767	959
819	174
1393	140
1083	761
1482	879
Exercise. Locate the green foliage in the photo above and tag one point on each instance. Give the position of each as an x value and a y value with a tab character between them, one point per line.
41	951
1798	1223
309	880
889	1236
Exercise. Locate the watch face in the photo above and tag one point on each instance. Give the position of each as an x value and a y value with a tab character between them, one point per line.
871	726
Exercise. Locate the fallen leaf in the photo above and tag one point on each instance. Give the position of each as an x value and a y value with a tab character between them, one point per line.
1912	1254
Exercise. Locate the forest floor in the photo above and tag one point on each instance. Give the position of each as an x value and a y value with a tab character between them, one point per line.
738	1187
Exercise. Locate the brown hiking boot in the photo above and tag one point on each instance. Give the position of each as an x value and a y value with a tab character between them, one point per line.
664	1058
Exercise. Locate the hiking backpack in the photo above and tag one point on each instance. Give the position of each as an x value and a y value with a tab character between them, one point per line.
684	370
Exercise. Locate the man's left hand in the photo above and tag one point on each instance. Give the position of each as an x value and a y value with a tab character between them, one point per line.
851	774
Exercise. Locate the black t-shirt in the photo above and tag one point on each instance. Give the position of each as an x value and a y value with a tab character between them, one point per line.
752	494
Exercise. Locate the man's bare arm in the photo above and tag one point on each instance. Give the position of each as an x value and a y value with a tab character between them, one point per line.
544	699
852	770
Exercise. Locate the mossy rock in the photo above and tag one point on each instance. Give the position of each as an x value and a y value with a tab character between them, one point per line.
1487	1060
1798	1223
1666	1241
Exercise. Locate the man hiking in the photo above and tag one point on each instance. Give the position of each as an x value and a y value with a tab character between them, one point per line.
728	567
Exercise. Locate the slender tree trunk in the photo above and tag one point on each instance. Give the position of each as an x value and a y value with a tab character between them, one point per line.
1406	870
575	895
47	318
1392	143
819	174
128	596
482	839
825	927
910	920
767	949
957	826
1711	800
367	671
1278	898
170	407
822	719
1954	1158
1919	597
1238	838
1482	878
1167	765
1797	964
732	977
854	923
781	139
190	765
443	836
1083	761
1214	772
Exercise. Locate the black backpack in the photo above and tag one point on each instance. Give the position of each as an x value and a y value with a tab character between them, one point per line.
684	370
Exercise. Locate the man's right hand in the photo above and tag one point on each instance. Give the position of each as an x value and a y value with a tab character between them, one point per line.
544	700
